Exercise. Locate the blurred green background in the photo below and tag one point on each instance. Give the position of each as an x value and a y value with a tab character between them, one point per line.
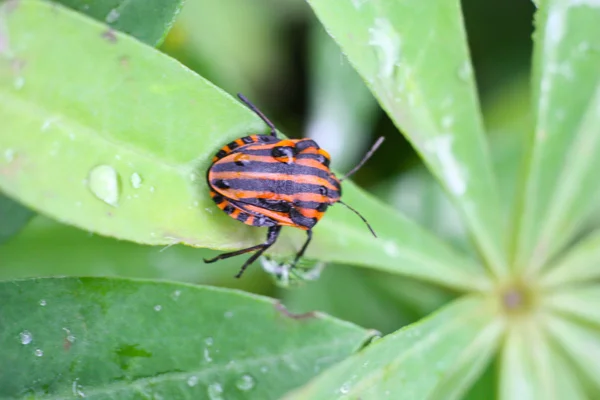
275	53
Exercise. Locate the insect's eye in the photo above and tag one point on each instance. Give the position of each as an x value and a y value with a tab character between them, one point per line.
323	190
286	153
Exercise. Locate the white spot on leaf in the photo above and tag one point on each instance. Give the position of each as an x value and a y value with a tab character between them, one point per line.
387	41
441	146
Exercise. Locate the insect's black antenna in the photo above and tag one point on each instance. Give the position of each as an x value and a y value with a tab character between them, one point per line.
259	113
361	217
365	158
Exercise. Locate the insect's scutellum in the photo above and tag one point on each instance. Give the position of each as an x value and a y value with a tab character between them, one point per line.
264	181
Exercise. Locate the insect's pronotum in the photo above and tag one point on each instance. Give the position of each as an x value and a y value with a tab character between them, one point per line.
265	181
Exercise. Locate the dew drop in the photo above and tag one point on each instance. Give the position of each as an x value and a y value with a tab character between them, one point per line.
136	180
112	16
38	352
209	341
207	356
245	383
345	388
157	307
26	337
104	183
215	391
43	303
70	337
192	381
176	294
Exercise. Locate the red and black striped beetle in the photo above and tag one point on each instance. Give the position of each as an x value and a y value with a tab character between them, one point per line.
265	181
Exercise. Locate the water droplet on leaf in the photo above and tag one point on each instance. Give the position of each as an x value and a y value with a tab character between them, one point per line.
215	391
112	16
157	307
104	183
136	180
26	337
245	383
42	303
38	352
192	381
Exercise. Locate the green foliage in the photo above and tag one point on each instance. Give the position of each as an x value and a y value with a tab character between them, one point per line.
106	338
484	284
13	216
146	20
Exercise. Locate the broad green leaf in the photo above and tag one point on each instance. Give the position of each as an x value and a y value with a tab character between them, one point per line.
532	369
577	303
146	20
342	110
560	185
582	345
13	217
438	357
414	58
118	141
68	251
114	338
580	264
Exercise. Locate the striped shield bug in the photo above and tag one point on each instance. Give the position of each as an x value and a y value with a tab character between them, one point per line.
265	181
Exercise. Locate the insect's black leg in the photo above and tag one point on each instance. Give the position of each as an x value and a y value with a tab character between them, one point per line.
259	113
303	249
272	235
233	253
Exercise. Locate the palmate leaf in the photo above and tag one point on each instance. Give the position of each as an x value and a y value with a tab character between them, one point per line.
414	58
107	338
532	369
115	138
438	358
560	185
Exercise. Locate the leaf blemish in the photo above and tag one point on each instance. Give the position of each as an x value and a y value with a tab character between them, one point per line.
387	41
441	146
281	308
109	35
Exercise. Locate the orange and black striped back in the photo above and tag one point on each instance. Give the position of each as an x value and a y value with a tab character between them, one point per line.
263	181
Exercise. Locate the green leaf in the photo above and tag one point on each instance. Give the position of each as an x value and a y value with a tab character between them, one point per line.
342	110
438	357
577	302
13	217
581	344
414	58
532	369
115	138
68	251
147	20
560	184
579	264
116	338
